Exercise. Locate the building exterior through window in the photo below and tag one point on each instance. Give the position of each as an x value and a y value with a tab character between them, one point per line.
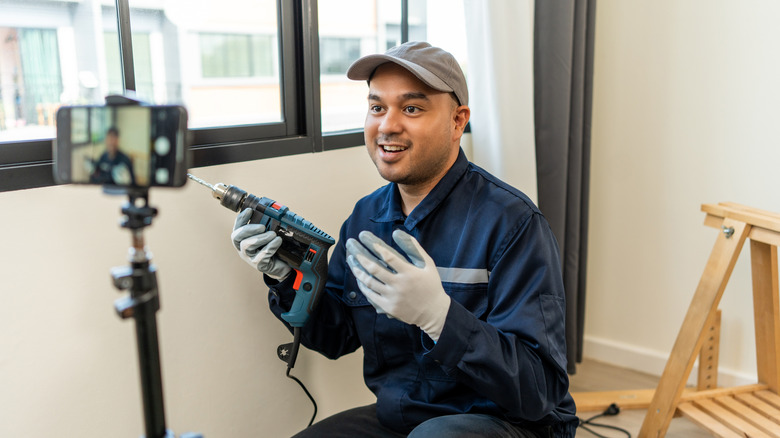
220	59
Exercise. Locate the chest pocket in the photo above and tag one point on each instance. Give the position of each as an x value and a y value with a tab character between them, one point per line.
468	287
472	296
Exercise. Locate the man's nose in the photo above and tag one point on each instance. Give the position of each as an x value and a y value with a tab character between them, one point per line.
391	122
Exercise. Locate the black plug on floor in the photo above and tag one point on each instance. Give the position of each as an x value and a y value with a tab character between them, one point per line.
613	409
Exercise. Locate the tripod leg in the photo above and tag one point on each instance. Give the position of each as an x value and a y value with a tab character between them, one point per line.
142	305
149	367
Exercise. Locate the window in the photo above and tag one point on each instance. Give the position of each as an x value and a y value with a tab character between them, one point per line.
223	60
242	69
44	63
245	69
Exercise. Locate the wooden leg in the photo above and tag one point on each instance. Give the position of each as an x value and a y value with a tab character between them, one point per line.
709	355
689	340
766	313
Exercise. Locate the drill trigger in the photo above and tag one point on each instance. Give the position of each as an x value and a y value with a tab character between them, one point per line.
298	279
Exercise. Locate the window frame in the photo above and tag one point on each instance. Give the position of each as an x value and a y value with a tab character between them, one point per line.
28	164
300	103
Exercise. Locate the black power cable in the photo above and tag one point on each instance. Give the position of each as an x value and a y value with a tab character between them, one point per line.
613	409
288	353
307	393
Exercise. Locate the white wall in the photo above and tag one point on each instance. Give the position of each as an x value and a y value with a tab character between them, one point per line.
68	364
685	112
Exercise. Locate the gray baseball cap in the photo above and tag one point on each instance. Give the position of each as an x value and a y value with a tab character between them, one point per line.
435	67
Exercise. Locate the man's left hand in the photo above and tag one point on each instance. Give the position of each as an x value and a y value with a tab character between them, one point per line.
411	292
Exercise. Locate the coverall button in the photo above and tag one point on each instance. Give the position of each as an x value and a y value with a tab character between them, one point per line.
352	295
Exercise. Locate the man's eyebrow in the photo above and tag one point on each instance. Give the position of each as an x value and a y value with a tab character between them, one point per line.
406	96
415	95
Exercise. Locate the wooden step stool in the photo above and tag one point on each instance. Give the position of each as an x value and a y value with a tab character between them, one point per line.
744	411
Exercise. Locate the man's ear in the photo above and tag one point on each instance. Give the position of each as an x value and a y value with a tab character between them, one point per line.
460	117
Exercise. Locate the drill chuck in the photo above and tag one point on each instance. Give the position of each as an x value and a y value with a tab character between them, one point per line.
230	196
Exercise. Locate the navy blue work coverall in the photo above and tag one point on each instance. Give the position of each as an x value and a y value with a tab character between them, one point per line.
502	350
105	166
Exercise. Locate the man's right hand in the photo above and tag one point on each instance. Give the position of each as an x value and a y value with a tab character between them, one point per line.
258	247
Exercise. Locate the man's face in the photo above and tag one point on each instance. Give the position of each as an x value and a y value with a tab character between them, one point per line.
112	143
412	131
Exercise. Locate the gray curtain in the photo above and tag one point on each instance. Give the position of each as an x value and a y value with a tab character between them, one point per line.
563	77
40	70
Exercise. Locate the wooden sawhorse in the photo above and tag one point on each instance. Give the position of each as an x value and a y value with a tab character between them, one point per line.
743	411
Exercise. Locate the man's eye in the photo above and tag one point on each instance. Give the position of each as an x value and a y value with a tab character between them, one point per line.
375	108
412	109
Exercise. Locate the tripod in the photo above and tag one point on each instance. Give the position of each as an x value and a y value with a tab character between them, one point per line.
142	304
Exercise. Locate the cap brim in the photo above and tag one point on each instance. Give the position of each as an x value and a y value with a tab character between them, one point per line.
363	68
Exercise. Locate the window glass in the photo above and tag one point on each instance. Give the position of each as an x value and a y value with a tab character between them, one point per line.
219	58
349	30
144	85
445	27
236	56
49	56
336	54
113	62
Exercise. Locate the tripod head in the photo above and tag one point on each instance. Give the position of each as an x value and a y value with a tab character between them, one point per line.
138	214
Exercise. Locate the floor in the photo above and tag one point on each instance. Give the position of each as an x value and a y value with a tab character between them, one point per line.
598	376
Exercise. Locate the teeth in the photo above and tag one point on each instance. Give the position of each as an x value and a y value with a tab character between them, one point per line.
391	148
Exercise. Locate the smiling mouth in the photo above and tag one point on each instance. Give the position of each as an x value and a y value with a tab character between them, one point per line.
393	148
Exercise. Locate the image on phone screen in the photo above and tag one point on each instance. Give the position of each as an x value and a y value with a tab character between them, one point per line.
126	146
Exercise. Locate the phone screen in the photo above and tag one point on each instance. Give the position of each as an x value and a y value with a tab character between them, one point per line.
121	145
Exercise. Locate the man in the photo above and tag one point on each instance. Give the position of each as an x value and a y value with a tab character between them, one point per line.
447	277
113	166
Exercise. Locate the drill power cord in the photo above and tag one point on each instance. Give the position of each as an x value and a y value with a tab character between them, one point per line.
613	409
288	353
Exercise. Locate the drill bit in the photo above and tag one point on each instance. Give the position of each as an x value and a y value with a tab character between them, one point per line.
200	181
218	190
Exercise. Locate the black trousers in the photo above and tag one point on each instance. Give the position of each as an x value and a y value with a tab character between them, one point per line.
362	422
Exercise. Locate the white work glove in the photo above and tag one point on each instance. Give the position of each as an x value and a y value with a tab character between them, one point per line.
257	247
121	175
411	292
354	248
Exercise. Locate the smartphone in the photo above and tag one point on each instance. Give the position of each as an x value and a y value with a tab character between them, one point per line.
122	145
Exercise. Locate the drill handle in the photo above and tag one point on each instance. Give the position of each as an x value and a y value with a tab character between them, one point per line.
310	278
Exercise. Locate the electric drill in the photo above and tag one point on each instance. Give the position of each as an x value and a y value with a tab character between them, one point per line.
304	246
